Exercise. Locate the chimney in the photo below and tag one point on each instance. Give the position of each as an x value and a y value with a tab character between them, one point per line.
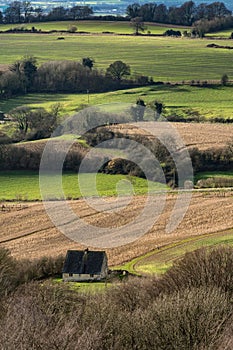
85	260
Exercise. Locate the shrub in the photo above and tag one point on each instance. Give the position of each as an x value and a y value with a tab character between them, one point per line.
14	273
224	79
225	341
39	269
186	320
171	32
72	29
7	272
39	317
202	268
215	182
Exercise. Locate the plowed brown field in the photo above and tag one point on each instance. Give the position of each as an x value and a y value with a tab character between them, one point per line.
29	233
200	135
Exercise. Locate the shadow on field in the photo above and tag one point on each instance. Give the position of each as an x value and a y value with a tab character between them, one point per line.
7	105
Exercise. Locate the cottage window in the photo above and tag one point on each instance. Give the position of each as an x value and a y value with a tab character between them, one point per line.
92	275
70	275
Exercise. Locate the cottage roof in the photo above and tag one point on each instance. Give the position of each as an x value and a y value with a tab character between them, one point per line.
84	262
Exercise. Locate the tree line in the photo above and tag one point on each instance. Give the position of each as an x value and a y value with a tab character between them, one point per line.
186	14
24	12
26	76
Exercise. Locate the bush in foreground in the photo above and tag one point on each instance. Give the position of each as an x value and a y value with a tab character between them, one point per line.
187	308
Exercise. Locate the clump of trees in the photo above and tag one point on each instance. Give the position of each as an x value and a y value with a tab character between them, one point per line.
205	25
28	156
189	307
26	76
33	124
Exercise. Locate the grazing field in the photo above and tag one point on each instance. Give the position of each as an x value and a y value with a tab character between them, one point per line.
29	233
225	34
24	185
166	59
178	99
117	27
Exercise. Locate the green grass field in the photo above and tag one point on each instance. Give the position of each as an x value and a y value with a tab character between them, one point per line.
166	59
209	102
225	34
24	185
86	287
206	175
117	27
160	260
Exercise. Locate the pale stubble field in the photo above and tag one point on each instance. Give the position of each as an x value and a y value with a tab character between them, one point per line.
29	233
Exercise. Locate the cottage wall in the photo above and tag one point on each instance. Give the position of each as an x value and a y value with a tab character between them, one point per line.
67	277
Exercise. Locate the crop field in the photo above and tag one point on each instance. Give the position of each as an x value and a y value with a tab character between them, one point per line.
165	59
24	185
200	135
29	233
117	27
181	100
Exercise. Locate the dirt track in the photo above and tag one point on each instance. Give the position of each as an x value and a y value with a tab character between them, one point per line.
29	233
